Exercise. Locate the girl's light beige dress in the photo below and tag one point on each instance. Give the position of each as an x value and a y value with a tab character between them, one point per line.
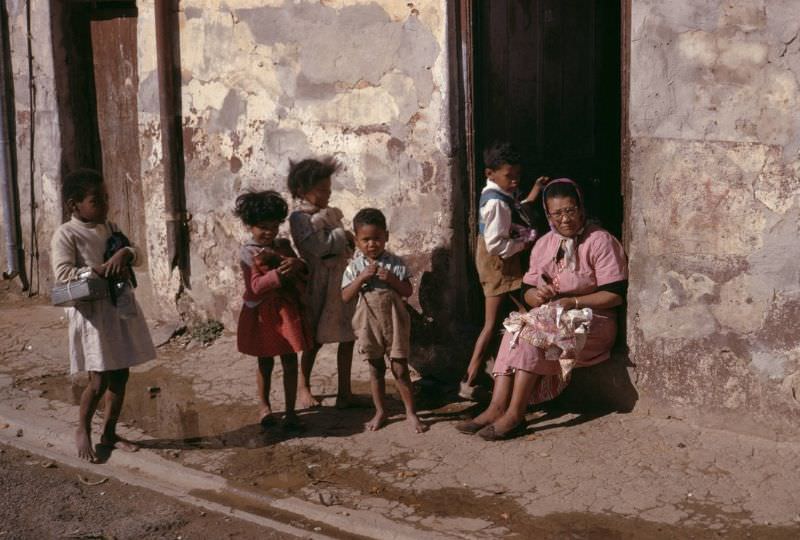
326	250
99	339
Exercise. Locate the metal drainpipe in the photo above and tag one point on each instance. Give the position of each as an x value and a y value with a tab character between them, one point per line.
169	88
11	227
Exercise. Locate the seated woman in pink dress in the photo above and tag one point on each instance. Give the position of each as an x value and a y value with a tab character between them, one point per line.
577	265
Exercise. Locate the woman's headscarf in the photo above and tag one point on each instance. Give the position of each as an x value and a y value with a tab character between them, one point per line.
569	245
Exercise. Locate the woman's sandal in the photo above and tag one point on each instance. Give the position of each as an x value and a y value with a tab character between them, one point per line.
489	433
469	427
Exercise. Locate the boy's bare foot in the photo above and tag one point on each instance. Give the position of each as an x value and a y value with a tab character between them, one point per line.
266	418
352	401
83	442
377	422
416	424
305	400
119	443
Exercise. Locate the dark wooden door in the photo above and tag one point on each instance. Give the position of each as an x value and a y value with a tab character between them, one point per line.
116	85
95	51
547	78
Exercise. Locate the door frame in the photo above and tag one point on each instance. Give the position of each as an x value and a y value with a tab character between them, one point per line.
462	20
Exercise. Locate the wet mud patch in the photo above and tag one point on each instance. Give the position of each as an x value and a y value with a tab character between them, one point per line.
159	403
346	482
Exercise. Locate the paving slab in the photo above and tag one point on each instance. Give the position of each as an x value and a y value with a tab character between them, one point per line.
612	475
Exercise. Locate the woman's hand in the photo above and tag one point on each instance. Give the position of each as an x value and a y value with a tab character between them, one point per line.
540	295
568	302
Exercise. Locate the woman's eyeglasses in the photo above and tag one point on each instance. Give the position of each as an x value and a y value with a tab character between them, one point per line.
570	212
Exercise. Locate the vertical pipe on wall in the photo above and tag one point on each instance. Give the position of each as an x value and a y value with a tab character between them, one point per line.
169	94
8	199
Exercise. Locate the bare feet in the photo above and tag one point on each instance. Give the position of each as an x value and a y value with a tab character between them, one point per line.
416	424
305	400
377	422
266	418
83	442
119	443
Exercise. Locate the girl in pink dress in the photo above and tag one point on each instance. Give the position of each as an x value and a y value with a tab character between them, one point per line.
577	265
271	321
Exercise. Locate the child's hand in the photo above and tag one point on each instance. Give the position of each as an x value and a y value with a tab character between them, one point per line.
385	275
117	264
290	267
368	272
540	183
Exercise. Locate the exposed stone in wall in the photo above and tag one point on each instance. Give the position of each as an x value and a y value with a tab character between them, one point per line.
715	206
265	82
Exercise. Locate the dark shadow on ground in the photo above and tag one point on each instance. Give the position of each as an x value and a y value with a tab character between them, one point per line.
317	422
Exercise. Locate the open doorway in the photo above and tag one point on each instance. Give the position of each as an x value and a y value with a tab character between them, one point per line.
547	78
545	75
95	47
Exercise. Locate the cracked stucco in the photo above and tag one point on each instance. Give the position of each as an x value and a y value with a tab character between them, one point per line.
266	82
714	209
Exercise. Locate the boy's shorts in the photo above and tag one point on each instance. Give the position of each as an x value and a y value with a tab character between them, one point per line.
382	325
497	275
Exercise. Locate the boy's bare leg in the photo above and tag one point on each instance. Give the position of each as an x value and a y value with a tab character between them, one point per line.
90	398
289	363
305	400
401	374
264	380
501	395
377	386
491	311
115	396
344	367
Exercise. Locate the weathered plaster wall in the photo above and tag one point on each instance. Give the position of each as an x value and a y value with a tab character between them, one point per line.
715	207
268	81
42	116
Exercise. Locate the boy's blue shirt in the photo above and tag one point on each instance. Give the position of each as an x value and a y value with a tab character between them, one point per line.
387	260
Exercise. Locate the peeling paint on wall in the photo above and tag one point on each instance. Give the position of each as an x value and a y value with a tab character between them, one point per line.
714	218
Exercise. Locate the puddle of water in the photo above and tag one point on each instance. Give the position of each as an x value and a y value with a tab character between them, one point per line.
173	412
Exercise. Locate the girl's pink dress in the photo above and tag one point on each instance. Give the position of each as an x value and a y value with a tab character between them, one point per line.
271	321
600	261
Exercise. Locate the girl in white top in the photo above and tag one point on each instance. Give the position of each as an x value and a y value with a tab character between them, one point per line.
103	340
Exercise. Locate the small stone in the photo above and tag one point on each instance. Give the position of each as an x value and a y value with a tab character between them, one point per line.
681	445
317	529
19	432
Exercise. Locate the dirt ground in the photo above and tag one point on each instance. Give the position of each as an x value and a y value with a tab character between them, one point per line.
580	476
43	499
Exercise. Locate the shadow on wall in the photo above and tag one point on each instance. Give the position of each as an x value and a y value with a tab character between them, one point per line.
441	341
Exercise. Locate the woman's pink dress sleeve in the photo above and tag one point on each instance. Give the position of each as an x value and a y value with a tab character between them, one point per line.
608	259
539	260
